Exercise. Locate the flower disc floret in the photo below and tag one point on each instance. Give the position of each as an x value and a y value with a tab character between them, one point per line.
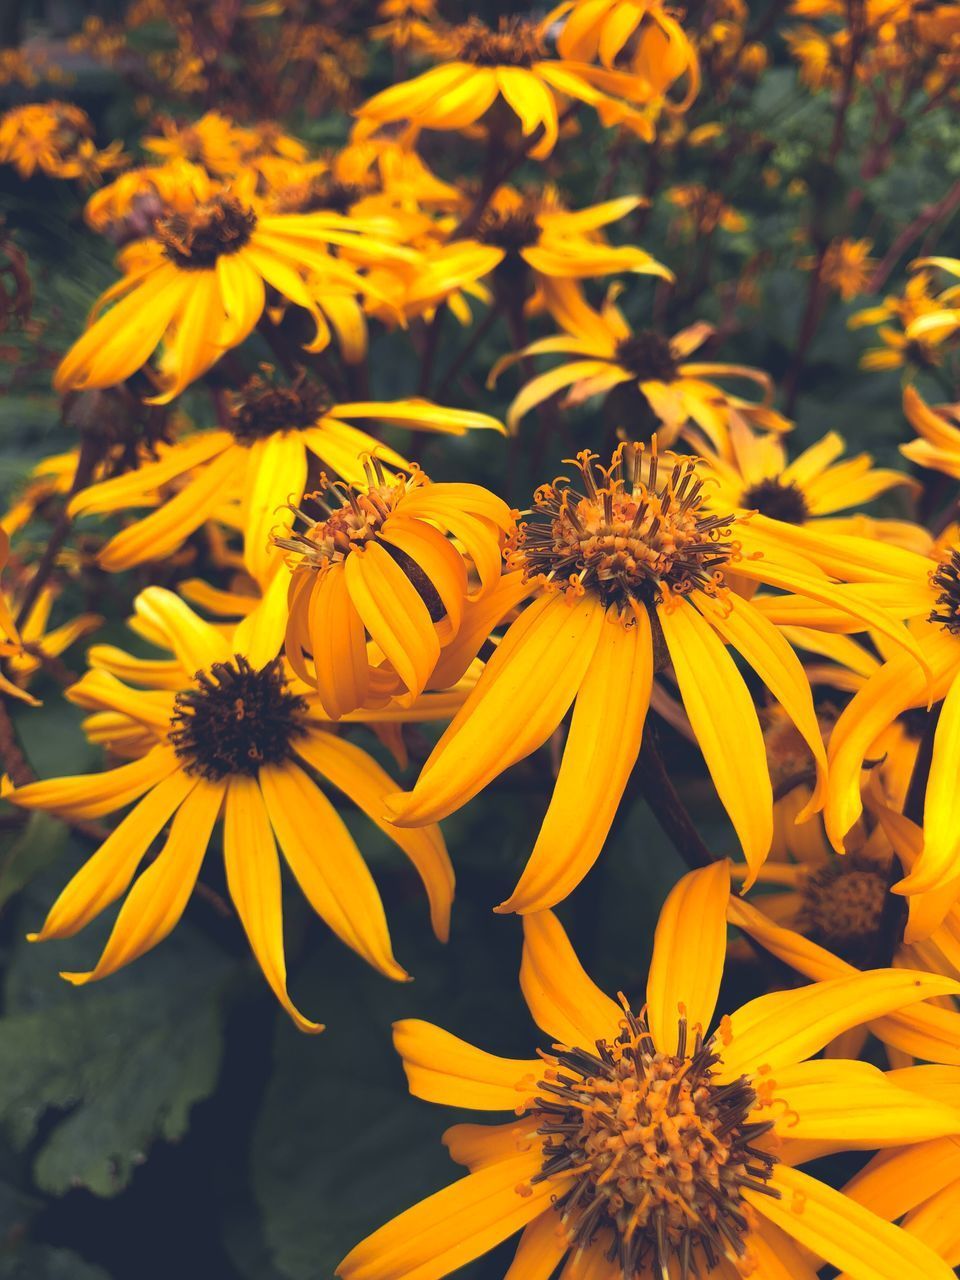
649	356
660	1153
195	240
947	578
635	532
517	43
778	501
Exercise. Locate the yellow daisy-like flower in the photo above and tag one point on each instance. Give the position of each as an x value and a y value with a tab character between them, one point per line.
939	432
275	429
628	574
847	267
927	591
673	390
895	319
484	65
219	727
129	207
643	1145
379	567
56	139
40	641
199	284
814	487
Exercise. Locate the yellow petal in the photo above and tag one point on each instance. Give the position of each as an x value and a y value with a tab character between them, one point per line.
533	103
156	902
442	1068
276	474
327	864
108	872
542	1245
563	999
454	1226
843	1233
937	863
253	879
519	700
689	947
725	723
436	557
895	1182
477	1145
133	488
393	613
91	795
337	640
362	780
598	757
196	643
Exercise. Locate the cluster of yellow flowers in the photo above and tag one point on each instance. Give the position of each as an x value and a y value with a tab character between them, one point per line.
684	563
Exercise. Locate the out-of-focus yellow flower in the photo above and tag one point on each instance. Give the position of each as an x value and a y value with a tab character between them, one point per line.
484	65
703	211
219	726
11	645
603	1127
939	432
129	207
39	641
408	25
674	389
847	267
55	138
902	311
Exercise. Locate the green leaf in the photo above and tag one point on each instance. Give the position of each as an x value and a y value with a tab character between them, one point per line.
91	1077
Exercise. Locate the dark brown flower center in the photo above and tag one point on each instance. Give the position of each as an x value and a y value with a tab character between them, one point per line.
511	231
236	719
264	405
947	578
777	500
516	43
659	1153
648	356
634	531
321	194
197	239
842	907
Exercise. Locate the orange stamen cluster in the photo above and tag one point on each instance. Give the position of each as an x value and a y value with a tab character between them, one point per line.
635	533
659	1153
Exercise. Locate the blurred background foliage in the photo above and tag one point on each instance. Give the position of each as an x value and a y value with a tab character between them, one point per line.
171	1121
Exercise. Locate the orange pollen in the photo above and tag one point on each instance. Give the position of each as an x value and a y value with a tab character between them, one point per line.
658	1154
636	531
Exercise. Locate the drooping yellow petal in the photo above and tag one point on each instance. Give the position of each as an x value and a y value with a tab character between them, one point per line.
276	473
938	863
156	902
133	487
362	780
442	1068
337	640
435	557
327	864
843	1233
598	757
480	617
542	1245
895	1182
196	643
689	947
393	613
91	795
518	702
253	879
108	872
533	103
454	1226
725	723
563	999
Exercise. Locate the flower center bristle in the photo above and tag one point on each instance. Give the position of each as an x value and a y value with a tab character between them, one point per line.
635	532
947	578
659	1153
354	523
648	356
510	230
264	405
843	905
236	720
516	43
779	501
197	239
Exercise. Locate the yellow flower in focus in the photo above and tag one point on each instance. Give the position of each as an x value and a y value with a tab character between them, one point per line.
484	65
199	285
378	565
263	457
663	384
219	728
641	1145
628	574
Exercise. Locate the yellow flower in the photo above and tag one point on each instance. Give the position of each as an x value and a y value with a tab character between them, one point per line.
11	645
199	283
673	390
644	38
129	207
703	211
628	574
39	641
220	727
939	431
56	138
263	457
379	566
219	144
647	1145
927	591
899	348
847	267
484	65
813	488
408	24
